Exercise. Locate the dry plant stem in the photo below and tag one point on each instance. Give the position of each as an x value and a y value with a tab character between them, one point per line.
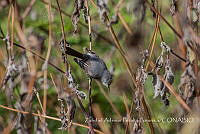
153	43
9	46
172	91
118	46
31	62
99	115
148	115
38	98
178	98
90	48
61	19
126	26
161	36
12	30
172	52
89	25
41	119
28	9
48	117
154	32
109	101
53	82
45	63
176	18
92	1
24	41
42	58
8	33
156	11
128	67
91	129
121	18
131	109
119	4
81	106
176	55
155	117
90	98
127	111
81	23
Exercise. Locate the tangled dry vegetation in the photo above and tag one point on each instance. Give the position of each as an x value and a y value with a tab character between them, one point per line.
138	72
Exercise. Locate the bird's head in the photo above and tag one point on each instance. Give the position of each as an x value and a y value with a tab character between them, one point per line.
106	78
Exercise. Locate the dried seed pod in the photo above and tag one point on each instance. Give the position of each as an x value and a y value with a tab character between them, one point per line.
85	14
173	7
24	121
63	116
169	75
74	87
145	55
188	84
159	63
12	72
160	89
78	6
165	47
137	127
141	76
71	108
63	44
66	118
157	84
103	9
137	100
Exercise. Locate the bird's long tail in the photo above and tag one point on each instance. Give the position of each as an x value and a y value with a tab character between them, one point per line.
67	50
72	52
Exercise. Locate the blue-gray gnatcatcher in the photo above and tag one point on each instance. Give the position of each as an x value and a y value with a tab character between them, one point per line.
94	66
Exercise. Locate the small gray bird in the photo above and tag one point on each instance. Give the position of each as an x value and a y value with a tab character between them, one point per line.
93	66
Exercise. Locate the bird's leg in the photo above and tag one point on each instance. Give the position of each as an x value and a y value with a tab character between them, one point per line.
89	94
81	63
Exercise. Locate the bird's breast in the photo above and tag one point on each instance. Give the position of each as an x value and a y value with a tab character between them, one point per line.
95	68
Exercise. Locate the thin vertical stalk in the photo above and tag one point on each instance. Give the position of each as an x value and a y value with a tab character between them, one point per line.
90	48
89	25
46	61
154	40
